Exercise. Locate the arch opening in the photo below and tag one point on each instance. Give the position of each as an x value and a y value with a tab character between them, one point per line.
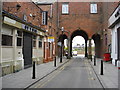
78	46
84	35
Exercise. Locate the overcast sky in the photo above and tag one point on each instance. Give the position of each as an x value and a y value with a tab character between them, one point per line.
79	40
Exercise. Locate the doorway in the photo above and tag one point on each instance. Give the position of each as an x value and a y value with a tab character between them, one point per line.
27	49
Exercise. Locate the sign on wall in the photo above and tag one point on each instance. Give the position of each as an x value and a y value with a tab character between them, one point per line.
28	28
50	39
12	22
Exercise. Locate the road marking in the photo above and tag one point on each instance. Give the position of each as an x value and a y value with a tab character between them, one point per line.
41	84
48	80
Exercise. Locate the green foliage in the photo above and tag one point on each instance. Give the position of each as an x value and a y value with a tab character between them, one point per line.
65	48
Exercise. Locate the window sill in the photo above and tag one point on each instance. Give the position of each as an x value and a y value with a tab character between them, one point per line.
65	13
7	46
19	46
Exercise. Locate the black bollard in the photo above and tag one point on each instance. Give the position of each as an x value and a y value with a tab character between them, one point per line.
55	62
101	73
33	70
91	57
94	60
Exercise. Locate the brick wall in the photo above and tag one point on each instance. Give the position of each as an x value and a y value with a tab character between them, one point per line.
108	8
26	8
80	17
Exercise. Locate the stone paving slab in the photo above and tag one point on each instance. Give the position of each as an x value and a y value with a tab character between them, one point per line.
110	77
23	78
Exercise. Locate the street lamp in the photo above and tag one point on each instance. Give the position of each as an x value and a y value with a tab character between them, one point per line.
62	29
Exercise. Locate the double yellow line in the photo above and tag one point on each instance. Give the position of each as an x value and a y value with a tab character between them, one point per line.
53	75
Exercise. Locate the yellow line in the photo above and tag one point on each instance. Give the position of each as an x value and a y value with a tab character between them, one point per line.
46	81
41	83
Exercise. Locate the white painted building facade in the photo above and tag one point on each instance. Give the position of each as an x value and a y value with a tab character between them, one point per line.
114	25
14	47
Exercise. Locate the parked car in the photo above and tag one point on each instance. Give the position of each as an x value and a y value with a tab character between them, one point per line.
74	53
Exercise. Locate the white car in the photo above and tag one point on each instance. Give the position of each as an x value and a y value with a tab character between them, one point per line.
74	53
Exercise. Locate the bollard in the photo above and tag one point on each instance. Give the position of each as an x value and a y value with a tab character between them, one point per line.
94	60
55	62
91	58
33	70
101	73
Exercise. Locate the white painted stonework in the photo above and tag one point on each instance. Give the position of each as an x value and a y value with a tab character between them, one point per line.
114	53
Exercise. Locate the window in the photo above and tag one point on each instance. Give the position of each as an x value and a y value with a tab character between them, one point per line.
44	17
34	41
19	38
6	40
40	42
93	8
65	8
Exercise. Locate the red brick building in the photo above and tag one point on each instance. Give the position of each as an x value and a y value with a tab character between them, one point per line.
87	19
49	46
30	26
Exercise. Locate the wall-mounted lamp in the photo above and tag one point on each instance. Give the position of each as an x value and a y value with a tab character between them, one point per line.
33	16
18	6
62	28
46	31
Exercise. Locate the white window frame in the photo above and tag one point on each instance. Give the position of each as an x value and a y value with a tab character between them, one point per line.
44	18
93	8
8	41
40	40
19	37
65	8
34	41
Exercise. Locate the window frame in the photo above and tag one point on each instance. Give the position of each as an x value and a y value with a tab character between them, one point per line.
34	40
91	8
65	13
11	40
44	17
19	37
40	40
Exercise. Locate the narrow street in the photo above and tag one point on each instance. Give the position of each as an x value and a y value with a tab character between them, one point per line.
60	44
77	73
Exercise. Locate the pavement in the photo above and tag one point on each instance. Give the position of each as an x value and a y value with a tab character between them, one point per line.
109	79
23	78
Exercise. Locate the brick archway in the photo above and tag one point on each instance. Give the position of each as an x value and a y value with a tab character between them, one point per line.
79	33
97	41
61	39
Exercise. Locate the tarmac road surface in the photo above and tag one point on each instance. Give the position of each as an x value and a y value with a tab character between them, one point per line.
77	73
